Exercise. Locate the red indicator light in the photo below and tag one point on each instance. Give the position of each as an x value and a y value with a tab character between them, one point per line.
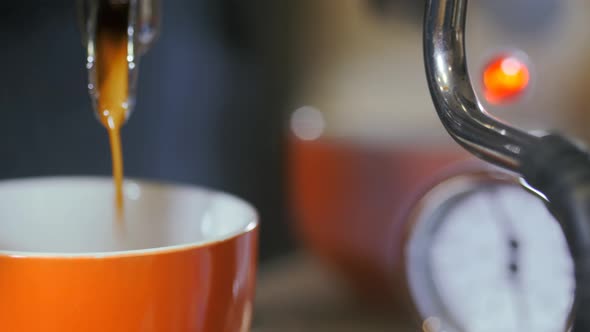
504	79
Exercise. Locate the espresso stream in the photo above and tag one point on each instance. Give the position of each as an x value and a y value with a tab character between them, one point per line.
112	79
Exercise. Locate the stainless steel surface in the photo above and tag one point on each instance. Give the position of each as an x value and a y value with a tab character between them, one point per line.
453	95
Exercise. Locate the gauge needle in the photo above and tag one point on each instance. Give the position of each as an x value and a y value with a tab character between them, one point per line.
513	257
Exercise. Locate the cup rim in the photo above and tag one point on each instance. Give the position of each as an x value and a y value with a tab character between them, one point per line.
251	225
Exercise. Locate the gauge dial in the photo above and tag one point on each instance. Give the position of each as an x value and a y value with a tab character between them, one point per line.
491	258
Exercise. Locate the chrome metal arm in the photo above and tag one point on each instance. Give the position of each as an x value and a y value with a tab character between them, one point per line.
453	95
552	164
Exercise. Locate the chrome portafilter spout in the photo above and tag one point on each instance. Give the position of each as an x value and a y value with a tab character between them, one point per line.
142	26
552	164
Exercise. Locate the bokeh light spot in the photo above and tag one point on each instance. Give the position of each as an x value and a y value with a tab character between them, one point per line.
504	79
307	123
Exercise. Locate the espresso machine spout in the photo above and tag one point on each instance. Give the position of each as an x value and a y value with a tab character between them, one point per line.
143	27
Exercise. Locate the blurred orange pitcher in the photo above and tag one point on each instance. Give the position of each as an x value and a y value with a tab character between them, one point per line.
183	258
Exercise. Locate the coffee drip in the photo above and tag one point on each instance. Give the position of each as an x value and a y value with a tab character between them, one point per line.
115	33
112	99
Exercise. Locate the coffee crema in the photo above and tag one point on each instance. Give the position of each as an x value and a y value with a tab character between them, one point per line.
112	78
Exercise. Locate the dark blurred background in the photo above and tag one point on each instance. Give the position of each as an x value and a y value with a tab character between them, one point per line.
209	107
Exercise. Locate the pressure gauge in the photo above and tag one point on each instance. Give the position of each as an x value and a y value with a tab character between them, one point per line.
484	255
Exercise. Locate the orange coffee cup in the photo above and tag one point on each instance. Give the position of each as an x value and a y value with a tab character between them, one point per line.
348	196
183	258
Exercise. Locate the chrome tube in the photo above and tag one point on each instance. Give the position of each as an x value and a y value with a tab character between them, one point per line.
142	31
453	95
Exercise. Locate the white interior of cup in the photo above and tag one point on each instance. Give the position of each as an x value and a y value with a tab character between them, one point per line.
72	216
